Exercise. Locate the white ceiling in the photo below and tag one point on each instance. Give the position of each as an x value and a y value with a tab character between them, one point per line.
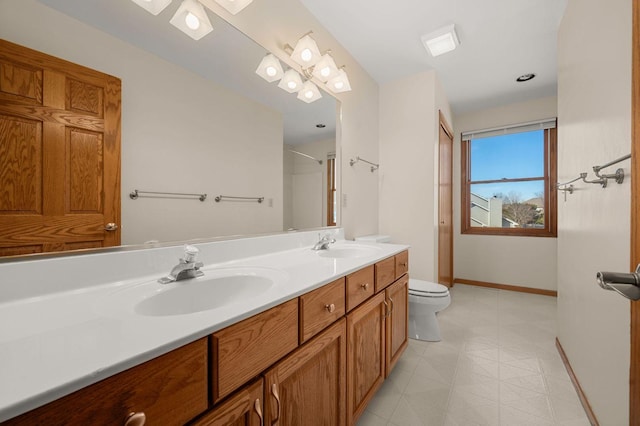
499	41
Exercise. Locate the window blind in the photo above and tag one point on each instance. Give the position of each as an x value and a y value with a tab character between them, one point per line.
549	123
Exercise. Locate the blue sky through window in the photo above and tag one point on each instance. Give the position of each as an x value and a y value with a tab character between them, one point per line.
518	155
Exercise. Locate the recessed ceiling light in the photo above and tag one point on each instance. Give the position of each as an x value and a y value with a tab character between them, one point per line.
441	41
525	77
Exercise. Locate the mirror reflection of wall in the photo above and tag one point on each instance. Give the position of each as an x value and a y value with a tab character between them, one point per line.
195	116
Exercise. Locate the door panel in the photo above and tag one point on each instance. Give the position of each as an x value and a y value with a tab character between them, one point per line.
59	154
445	205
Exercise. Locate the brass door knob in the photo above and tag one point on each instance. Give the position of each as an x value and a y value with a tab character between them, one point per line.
365	286
111	227
135	419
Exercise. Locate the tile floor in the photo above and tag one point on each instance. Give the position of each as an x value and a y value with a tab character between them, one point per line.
497	364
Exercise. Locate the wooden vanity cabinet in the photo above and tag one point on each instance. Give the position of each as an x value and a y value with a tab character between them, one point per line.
397	296
169	390
366	333
402	263
360	286
385	273
243	350
320	308
244	408
308	386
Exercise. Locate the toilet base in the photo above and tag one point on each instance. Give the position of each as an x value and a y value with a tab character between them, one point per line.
424	327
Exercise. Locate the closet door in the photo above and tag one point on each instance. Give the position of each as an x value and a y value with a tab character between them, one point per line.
59	154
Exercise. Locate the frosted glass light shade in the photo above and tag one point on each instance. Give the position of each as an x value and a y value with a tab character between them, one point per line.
192	19
152	6
340	83
309	92
234	6
291	81
306	52
441	41
270	68
325	69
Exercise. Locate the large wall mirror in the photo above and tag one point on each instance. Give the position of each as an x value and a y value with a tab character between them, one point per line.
196	119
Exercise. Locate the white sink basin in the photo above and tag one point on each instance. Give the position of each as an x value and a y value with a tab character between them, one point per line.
348	252
218	288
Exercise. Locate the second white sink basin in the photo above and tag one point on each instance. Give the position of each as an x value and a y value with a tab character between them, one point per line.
348	252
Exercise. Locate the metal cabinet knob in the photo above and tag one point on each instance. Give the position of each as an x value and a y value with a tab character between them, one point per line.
331	308
365	286
135	419
111	227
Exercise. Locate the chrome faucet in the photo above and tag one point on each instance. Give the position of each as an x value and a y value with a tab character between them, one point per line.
187	268
323	243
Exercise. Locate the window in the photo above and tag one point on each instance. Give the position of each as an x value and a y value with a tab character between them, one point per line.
508	180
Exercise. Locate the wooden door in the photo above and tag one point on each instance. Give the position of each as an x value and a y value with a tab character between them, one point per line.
365	354
308	387
243	408
445	204
59	154
397	322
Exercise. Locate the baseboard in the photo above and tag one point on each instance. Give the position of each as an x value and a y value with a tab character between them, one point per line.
531	290
583	398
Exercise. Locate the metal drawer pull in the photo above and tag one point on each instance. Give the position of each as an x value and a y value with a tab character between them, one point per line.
274	392
330	307
386	314
391	300
135	419
403	264
365	286
257	406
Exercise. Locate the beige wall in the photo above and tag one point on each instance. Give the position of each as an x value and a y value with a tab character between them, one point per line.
409	166
175	137
594	115
521	261
274	23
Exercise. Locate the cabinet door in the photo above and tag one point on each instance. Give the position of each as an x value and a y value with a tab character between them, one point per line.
243	408
397	321
309	386
168	390
365	354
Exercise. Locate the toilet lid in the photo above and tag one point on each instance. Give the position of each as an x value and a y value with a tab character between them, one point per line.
426	288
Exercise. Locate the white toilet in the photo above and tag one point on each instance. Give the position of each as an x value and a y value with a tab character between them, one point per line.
425	300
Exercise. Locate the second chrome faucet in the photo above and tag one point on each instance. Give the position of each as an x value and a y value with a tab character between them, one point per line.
187	268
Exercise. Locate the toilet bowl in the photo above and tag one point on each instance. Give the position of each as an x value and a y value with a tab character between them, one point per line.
425	300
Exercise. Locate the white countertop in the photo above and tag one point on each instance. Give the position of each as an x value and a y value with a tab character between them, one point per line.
53	343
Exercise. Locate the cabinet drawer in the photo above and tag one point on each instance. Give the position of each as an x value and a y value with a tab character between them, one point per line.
402	263
170	390
385	273
243	408
243	350
320	308
359	286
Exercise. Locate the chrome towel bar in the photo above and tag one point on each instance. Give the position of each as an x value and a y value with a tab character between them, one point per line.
136	193
231	198
374	166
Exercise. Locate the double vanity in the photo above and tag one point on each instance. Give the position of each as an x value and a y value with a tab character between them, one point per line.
273	332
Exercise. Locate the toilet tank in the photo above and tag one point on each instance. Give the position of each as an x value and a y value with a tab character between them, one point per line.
374	238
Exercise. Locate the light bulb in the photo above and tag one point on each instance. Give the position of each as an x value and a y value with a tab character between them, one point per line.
192	21
325	71
306	55
271	71
308	94
292	85
339	85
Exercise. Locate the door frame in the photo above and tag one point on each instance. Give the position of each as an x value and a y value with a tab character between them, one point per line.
634	368
442	123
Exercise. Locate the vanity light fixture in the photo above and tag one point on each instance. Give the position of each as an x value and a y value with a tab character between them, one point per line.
441	41
340	83
309	92
234	6
325	69
270	68
152	6
291	81
192	19
306	53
